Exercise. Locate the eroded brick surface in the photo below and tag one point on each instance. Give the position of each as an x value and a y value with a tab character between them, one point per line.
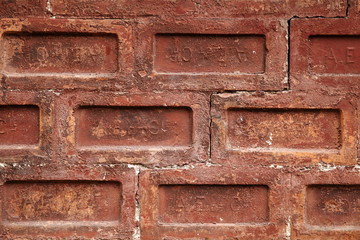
179	120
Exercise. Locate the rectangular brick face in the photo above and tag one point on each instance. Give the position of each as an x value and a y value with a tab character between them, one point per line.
287	128
19	125
333	205
17	8
134	126
213	202
207	204
206	54
61	201
335	54
276	128
211	8
60	53
326	204
209	53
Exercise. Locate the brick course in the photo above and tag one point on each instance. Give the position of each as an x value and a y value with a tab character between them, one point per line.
179	119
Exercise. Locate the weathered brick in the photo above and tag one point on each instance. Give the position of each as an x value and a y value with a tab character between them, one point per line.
69	203
26	127
160	129
198	8
211	54
325	54
213	202
23	8
63	53
283	128
326	204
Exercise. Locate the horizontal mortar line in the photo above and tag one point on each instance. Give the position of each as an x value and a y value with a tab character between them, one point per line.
132	148
336	74
62	223
61	74
19	147
264	224
210	73
284	150
332	228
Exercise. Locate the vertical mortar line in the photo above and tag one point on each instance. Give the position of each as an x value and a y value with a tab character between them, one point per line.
137	230
288	54
210	127
49	8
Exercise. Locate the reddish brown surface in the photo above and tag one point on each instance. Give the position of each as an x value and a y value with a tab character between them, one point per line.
206	203
212	8
159	129
277	128
49	53
179	120
91	202
134	126
326	204
61	201
286	128
333	205
19	125
22	8
209	53
210	202
206	54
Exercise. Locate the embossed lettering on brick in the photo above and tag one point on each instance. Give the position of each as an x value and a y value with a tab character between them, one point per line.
16	8
335	54
134	126
209	53
277	128
26	201
60	53
19	125
333	205
213	203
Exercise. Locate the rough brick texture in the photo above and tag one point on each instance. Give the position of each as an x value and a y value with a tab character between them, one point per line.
179	119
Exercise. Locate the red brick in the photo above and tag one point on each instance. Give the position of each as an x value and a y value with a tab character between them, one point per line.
26	127
160	129
283	128
83	202
61	53
22	8
325	54
210	54
200	8
213	202
326	204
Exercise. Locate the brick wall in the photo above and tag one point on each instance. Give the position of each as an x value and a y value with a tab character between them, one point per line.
179	119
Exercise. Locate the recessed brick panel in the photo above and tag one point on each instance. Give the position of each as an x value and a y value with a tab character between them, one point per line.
326	204
22	8
134	126
206	54
61	201
151	129
209	53
66	54
206	204
333	205
278	128
60	53
213	202
83	202
324	54
19	125
230	8
282	128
